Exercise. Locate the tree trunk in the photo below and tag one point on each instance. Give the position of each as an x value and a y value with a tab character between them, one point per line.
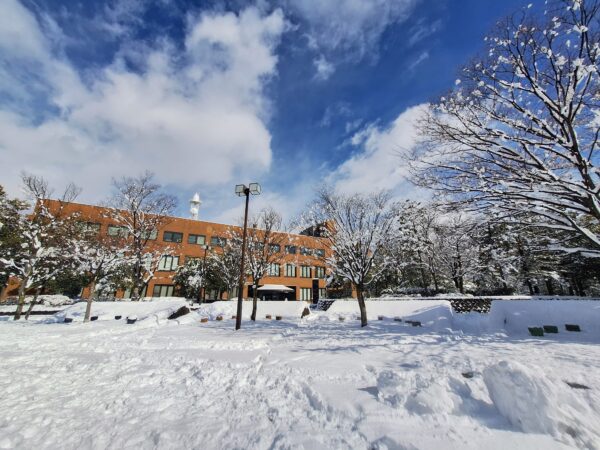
361	305
254	301
435	281
33	302
88	307
21	301
530	286
549	286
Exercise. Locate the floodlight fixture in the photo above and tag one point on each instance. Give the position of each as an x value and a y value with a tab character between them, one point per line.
255	189
240	189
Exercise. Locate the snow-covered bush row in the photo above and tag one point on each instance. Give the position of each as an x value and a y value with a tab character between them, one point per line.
50	300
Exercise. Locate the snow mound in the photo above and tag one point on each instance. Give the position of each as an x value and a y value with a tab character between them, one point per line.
153	312
435	314
516	315
288	310
535	403
419	394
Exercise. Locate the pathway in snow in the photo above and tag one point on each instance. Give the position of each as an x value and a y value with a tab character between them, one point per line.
294	384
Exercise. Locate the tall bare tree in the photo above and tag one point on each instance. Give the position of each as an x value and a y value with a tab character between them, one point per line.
265	245
141	209
520	131
357	229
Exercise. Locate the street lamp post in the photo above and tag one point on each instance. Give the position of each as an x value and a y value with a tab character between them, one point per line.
240	190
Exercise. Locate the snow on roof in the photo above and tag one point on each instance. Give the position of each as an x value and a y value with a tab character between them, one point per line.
274	287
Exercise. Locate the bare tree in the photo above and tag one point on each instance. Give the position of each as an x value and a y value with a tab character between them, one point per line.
265	244
141	209
44	243
357	229
224	264
100	257
520	131
456	248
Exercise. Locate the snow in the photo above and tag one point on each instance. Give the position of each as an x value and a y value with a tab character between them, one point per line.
310	383
516	316
539	403
433	313
154	311
288	310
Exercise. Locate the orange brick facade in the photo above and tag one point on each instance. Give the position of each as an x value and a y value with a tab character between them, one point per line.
301	283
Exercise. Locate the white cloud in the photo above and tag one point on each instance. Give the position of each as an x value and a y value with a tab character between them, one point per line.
378	165
193	117
422	57
353	27
324	68
423	30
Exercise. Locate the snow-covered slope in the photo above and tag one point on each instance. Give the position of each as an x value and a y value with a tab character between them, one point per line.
288	310
156	310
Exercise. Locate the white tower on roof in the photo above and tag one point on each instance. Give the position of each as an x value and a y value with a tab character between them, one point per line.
195	203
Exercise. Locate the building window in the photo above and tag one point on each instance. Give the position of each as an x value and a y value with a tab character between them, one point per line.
322	293
190	259
168	263
305	294
90	227
319	272
218	241
305	271
319	252
196	239
151	236
147	261
290	249
305	251
273	270
274	248
162	290
290	270
116	230
172	236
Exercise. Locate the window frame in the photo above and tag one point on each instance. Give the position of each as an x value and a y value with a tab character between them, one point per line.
218	241
274	273
294	271
168	289
173	233
320	270
163	267
288	249
303	292
302	271
196	236
121	230
306	251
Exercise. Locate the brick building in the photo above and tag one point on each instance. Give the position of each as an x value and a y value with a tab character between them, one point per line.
302	265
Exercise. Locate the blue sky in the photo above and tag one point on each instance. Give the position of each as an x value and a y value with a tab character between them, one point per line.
291	94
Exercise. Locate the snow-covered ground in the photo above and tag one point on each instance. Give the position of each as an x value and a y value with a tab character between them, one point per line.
315	383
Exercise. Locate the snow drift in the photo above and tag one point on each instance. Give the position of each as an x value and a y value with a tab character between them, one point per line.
515	316
150	311
536	403
288	310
